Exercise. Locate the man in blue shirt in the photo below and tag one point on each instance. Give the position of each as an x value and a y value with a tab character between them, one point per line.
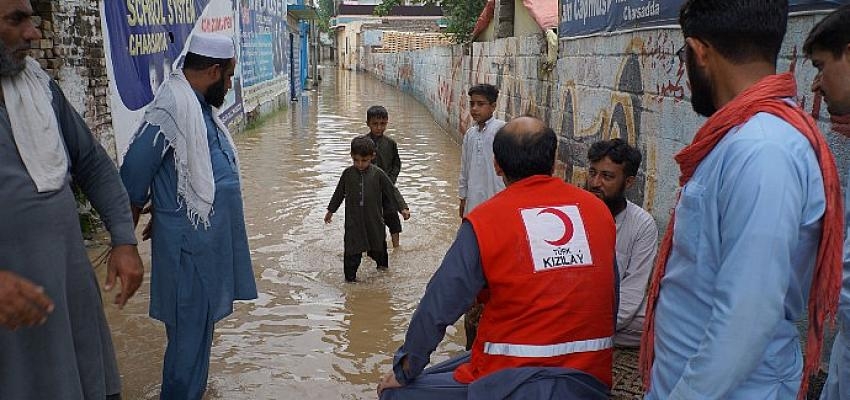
758	216
184	162
828	46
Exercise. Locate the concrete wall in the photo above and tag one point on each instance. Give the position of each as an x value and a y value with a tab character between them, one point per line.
628	85
349	45
524	23
71	51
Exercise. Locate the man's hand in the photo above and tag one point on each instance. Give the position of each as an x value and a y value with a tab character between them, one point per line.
329	217
22	304
124	263
146	233
137	212
405	214
388	382
460	209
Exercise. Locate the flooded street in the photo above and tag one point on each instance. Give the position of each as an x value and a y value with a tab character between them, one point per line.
310	335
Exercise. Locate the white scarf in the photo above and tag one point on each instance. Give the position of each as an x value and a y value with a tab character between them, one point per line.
177	112
29	102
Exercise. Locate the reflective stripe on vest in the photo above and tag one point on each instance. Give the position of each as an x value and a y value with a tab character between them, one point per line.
550	350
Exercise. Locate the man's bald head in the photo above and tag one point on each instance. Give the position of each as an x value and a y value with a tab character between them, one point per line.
524	147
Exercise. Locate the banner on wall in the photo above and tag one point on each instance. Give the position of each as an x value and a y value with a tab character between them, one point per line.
144	40
589	17
220	17
264	43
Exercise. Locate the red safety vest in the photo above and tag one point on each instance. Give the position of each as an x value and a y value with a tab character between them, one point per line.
547	250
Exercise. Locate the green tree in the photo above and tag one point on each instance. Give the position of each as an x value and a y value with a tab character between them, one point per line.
326	11
460	14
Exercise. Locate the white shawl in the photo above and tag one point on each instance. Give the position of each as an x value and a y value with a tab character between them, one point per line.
177	113
29	102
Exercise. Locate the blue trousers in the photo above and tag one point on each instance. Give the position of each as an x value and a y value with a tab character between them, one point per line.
528	383
436	382
187	356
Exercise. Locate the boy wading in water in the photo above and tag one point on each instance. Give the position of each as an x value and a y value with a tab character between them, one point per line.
386	158
364	188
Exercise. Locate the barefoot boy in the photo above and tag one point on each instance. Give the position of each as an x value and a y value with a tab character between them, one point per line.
387	159
363	186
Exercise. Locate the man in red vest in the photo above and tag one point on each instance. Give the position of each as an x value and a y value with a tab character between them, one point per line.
544	251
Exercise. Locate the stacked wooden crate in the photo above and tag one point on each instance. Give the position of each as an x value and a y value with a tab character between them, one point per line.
394	42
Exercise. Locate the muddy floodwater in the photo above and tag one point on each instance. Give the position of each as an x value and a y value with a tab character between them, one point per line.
309	335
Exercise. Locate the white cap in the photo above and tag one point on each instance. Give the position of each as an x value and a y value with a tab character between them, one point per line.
212	45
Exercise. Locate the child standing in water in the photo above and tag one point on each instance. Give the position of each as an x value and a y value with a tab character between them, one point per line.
387	159
364	188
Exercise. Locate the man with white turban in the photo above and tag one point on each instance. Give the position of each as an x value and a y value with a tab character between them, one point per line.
182	160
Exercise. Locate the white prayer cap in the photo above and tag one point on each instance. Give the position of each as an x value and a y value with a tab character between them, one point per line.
212	45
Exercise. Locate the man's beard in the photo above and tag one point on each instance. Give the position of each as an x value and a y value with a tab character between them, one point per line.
836	111
10	65
216	93
615	202
701	99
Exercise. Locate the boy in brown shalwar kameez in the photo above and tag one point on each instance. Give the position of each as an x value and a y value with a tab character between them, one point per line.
363	186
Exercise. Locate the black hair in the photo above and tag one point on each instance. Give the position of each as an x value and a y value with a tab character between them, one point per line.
485	89
197	62
362	146
525	154
377	112
619	152
740	30
831	34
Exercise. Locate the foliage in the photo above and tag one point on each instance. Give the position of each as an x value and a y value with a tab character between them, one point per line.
460	14
326	11
89	220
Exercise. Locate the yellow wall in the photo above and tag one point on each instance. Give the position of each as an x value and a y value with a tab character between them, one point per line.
524	24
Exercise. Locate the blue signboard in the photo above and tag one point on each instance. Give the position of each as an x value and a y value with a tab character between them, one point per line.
145	38
264	39
588	17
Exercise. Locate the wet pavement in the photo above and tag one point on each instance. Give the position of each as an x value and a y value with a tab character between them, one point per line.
310	335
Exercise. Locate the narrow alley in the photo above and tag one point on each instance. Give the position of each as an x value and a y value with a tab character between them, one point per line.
310	335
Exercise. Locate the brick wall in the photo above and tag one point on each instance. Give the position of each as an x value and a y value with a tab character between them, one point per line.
72	52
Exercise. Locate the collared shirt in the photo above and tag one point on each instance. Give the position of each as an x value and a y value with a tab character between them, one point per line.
747	229
219	254
478	180
637	243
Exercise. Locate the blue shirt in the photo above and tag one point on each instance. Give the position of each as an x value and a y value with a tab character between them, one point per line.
219	254
449	294
837	386
747	229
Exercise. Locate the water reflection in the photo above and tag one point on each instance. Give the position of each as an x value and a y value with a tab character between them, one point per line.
309	335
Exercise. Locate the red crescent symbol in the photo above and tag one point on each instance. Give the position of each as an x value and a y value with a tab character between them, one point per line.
568	226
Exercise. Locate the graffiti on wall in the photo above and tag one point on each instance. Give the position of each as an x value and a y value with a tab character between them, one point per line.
621	118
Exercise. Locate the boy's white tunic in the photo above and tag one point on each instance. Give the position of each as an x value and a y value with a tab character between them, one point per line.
478	180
